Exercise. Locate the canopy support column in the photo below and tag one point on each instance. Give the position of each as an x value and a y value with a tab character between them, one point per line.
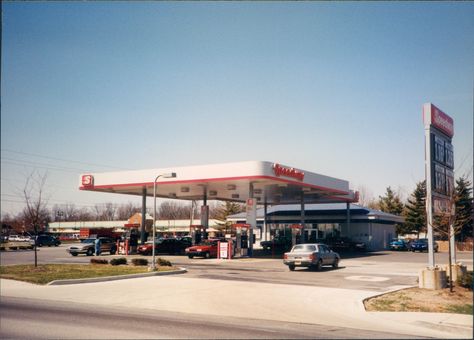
142	229
265	225
302	238
205	214
348	219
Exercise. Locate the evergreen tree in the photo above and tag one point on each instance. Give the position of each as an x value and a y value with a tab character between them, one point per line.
390	203
464	208
415	211
227	209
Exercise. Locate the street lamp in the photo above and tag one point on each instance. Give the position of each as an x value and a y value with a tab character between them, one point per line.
166	175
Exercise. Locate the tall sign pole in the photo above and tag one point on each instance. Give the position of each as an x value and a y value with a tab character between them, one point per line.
439	168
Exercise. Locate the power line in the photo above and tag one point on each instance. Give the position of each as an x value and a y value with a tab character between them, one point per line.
64	160
41	165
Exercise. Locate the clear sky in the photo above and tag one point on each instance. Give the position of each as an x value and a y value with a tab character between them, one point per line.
335	88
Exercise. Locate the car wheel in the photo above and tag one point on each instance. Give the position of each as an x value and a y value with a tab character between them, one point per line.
90	252
336	263
190	256
113	251
291	267
56	245
207	255
74	254
319	265
40	244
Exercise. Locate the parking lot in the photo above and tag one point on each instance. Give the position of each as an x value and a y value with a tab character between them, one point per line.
378	271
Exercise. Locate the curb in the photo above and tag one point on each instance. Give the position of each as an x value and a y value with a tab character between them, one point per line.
440	326
114	278
361	302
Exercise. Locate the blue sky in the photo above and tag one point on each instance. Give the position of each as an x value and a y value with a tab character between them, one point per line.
335	88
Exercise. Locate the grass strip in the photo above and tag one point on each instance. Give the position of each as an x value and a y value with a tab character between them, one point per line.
45	273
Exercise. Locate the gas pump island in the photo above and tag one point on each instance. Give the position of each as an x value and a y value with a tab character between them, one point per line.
253	183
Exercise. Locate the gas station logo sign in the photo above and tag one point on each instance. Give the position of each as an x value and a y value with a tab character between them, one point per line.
280	170
87	181
442	121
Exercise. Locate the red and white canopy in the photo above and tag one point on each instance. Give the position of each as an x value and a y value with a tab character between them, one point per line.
272	183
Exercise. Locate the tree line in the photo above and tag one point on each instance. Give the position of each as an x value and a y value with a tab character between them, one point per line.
414	210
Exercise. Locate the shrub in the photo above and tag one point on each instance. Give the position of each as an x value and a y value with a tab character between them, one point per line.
163	262
99	261
466	280
118	261
140	262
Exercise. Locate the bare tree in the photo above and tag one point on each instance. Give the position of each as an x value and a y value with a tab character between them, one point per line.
65	212
124	211
35	213
84	214
366	197
171	210
105	212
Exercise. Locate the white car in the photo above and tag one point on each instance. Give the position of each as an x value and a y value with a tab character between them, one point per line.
311	255
17	238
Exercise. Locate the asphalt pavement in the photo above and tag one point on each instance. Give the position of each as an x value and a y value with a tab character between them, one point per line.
259	289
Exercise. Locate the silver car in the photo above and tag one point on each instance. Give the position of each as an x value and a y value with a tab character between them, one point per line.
311	255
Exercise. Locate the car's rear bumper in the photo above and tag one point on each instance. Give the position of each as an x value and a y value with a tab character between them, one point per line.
298	263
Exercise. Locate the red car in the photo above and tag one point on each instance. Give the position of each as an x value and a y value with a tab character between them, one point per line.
206	249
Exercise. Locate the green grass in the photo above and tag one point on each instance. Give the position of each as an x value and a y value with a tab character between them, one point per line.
45	273
460	309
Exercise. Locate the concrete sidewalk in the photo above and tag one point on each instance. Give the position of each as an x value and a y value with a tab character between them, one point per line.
286	303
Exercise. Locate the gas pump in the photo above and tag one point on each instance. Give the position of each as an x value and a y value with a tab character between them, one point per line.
196	231
241	239
296	233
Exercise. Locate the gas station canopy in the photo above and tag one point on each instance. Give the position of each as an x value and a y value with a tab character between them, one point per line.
268	182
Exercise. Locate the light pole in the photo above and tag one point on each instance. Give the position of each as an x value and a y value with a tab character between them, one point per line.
166	175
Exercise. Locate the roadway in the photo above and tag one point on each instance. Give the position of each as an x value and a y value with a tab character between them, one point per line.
34	319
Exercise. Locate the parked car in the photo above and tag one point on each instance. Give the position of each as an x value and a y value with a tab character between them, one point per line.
164	246
18	238
206	249
87	246
45	240
345	243
398	244
422	245
311	255
278	242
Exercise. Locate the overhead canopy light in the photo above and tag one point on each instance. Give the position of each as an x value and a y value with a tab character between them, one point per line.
184	189
257	191
212	193
235	196
172	195
231	187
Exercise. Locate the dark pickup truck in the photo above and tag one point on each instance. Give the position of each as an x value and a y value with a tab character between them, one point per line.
345	244
277	243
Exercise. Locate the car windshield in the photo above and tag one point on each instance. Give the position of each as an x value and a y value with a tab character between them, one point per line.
88	240
303	248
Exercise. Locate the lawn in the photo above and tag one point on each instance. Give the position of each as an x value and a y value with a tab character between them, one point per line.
45	273
423	300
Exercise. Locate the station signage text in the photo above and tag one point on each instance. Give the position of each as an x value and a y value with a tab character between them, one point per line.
442	121
280	170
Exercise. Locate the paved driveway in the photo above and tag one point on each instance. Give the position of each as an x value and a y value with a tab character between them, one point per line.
378	271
